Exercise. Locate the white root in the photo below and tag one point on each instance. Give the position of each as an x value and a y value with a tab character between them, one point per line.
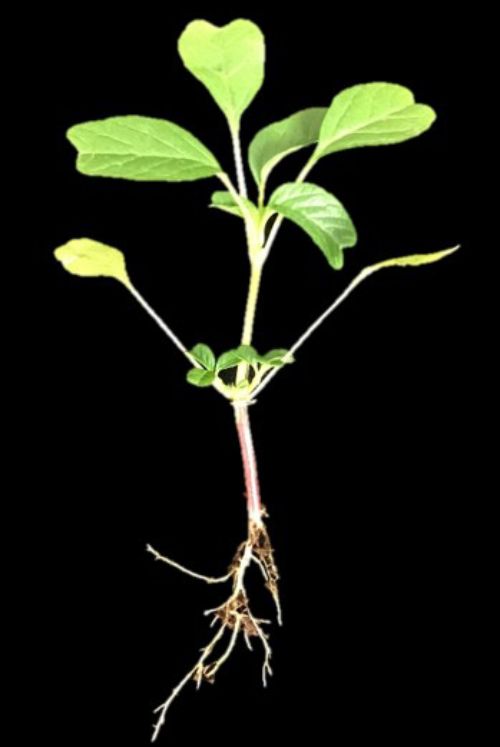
183	569
233	615
163	708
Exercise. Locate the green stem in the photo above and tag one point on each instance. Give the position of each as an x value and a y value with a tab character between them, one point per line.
248	322
253	294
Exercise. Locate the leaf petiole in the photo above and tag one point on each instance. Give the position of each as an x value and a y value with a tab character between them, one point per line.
413	260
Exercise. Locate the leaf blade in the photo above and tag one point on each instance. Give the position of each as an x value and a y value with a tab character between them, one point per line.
247	353
320	215
227	60
204	355
141	149
224	200
409	260
89	258
199	377
229	359
372	114
279	139
277	357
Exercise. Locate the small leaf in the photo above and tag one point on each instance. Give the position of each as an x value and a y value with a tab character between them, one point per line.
90	258
224	201
411	260
229	359
320	214
204	355
372	114
199	377
229	61
248	354
271	144
276	357
141	149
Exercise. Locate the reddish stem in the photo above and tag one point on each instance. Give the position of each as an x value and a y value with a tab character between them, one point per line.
252	489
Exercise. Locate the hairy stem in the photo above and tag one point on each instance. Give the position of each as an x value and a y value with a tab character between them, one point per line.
248	458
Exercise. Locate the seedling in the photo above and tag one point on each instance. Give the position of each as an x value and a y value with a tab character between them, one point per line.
229	62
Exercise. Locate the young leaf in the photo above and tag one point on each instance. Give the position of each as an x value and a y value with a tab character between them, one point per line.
248	354
276	357
271	144
204	355
372	114
229	359
198	377
229	61
224	201
320	214
141	149
90	258
411	260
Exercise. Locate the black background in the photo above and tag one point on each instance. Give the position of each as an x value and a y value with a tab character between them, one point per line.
362	443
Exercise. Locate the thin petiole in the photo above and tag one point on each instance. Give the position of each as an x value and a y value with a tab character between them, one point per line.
217	385
163	326
313	327
279	220
238	161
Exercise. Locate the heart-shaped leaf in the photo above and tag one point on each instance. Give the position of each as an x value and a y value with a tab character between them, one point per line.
228	60
320	214
204	355
271	144
141	149
372	114
90	258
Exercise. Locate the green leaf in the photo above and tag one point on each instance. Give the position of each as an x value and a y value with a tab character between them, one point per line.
224	201
276	357
248	354
411	260
320	214
372	114
271	144
199	377
229	359
90	258
204	355
141	149
229	61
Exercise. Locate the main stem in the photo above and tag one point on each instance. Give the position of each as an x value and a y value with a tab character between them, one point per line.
252	488
251	305
248	321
